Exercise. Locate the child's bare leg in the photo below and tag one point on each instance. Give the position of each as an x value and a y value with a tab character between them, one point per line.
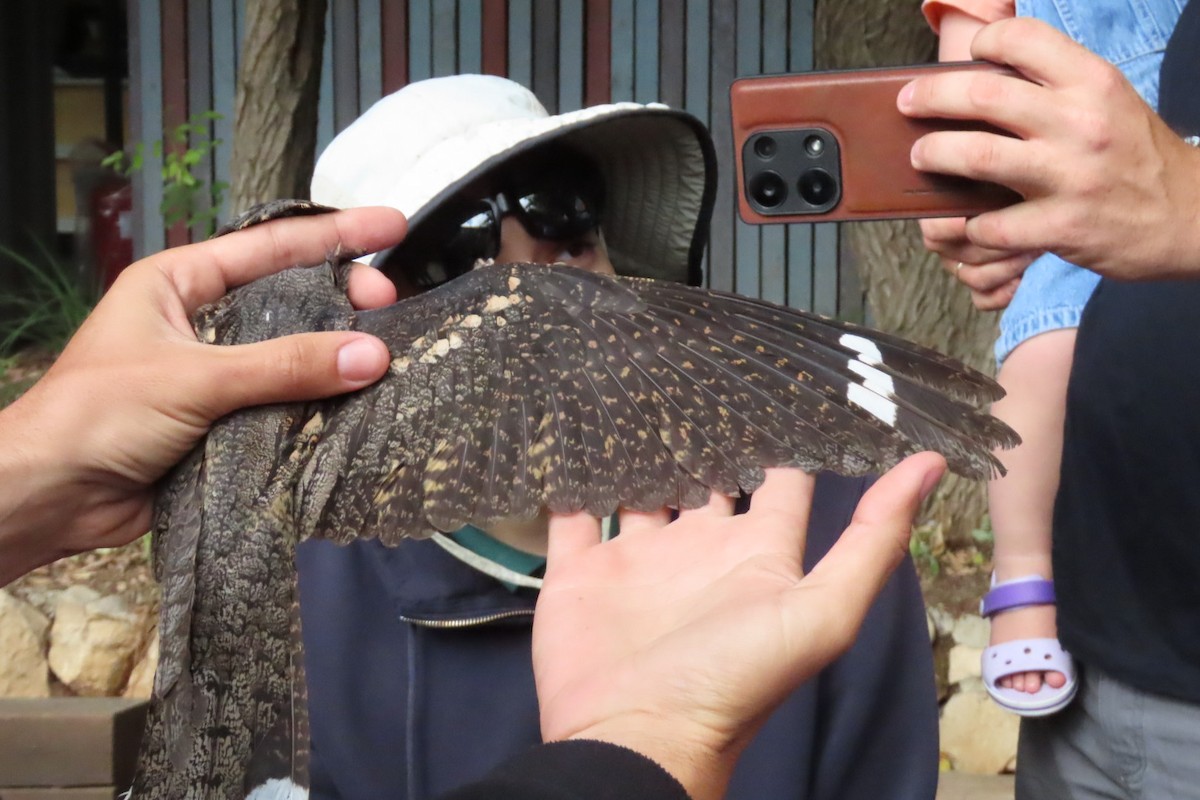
1022	503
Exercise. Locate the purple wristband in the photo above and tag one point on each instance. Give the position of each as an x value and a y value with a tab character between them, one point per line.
1017	594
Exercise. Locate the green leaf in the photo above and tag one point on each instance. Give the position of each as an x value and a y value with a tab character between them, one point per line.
983	535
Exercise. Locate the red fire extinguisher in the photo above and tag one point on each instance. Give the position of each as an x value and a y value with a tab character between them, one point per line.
111	212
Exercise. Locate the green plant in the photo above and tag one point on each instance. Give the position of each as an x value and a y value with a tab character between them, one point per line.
37	317
926	546
983	535
45	309
183	190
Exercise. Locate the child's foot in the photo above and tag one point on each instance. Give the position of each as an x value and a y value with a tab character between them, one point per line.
1031	622
1025	669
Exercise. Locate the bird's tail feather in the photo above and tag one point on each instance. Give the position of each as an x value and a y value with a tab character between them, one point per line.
248	739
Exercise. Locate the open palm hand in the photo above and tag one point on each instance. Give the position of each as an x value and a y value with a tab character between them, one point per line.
678	639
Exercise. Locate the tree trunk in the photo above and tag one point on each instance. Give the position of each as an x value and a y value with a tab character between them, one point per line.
275	129
907	293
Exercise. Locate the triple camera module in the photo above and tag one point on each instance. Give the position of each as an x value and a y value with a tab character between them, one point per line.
792	171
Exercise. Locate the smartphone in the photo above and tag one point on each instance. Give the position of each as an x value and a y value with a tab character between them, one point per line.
828	146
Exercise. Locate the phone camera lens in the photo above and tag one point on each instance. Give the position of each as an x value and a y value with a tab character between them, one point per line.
765	147
814	146
767	189
817	187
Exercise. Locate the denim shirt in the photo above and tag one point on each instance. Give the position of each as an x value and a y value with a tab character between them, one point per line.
1132	35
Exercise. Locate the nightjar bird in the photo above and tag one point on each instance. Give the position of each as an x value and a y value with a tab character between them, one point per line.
513	388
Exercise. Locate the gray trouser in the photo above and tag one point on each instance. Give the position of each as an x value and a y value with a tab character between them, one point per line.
1113	742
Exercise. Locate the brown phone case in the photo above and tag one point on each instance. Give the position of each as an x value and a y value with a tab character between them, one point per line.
861	168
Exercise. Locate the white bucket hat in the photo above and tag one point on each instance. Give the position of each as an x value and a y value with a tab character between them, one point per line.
416	148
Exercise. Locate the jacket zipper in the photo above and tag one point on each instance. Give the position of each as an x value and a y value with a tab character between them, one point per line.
469	621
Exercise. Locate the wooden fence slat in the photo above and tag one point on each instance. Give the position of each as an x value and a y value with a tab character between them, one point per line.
370	53
571	55
721	242
773	238
800	52
799	266
748	61
696	93
326	127
145	36
420	40
445	38
671	46
825	272
200	100
599	52
470	36
394	27
621	71
345	62
800	237
645	51
520	49
545	53
224	48
494	33
174	44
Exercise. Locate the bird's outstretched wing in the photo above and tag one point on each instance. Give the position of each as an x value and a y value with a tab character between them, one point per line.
512	388
522	386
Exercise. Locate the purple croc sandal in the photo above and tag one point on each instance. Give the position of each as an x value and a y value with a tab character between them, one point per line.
1026	655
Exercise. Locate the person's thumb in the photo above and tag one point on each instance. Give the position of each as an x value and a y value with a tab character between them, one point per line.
855	569
306	366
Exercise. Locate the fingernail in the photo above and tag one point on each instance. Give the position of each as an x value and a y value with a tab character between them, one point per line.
362	360
904	99
914	155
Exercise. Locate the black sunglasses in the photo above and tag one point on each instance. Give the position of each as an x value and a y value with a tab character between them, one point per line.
564	205
555	214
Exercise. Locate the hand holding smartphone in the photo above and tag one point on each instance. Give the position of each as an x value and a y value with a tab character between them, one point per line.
827	146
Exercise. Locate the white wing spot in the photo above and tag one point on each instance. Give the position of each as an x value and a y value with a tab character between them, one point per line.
873	379
879	407
868	351
472	321
873	393
513	283
400	365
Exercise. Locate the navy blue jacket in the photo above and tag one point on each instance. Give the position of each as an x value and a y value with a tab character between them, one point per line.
420	680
